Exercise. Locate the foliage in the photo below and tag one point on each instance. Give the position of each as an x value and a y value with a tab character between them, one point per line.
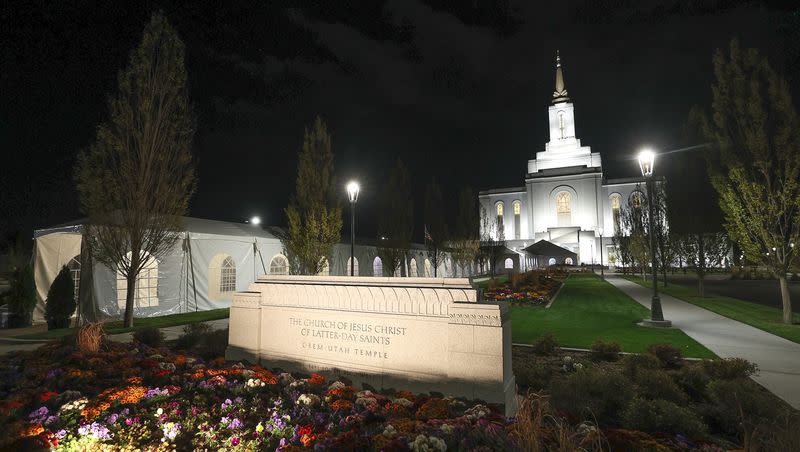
532	375
733	399
537	428
704	251
546	345
192	335
604	350
436	225
657	384
20	296
60	303
492	242
90	337
633	363
730	368
669	356
213	344
756	133
313	214
395	220
666	251
594	392
662	416
465	240
692	380
152	337
136	178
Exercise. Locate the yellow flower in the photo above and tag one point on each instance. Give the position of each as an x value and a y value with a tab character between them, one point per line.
259	428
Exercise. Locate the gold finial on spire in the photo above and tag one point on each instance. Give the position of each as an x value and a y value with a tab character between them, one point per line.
560	94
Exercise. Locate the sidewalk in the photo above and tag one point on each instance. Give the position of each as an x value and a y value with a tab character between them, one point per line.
778	359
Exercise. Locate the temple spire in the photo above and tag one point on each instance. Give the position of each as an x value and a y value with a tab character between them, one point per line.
560	94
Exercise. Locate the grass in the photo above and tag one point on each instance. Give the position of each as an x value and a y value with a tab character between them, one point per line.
756	315
588	309
115	327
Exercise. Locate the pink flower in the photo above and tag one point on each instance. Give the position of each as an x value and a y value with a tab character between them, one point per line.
235	441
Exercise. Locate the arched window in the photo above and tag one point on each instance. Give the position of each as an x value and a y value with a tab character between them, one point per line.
146	291
326	267
279	265
377	266
616	204
355	267
74	266
568	261
517	211
227	276
428	269
551	261
501	229
509	263
412	268
564	208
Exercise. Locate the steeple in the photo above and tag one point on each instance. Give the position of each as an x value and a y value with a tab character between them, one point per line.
560	94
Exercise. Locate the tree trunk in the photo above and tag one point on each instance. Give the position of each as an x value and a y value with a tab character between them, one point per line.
786	299
130	296
701	290
664	272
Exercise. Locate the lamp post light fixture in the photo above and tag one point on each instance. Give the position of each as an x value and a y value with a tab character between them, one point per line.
602	274
352	194
647	160
255	220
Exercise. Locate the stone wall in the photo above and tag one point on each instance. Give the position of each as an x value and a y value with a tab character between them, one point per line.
424	334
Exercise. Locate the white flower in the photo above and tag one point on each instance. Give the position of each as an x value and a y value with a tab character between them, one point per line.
159	412
578	366
74	405
389	430
424	443
366	401
308	399
336	385
254	383
447	429
567	359
403	402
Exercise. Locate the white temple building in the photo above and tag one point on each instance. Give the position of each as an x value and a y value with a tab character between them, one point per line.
565	199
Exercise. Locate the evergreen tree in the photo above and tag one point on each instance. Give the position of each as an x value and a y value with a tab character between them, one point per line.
60	301
313	214
756	161
395	220
136	179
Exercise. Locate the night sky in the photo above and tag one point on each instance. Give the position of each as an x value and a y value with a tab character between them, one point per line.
459	90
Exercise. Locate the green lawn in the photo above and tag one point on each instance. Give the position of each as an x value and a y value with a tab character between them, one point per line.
588	309
762	317
116	327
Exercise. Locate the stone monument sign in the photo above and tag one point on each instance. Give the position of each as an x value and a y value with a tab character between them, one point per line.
424	334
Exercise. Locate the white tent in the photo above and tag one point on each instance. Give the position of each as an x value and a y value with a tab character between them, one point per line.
210	261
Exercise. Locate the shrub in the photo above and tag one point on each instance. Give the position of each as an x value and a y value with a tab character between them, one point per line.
532	376
595	392
662	416
192	335
693	379
213	345
730	368
670	357
90	337
546	345
21	297
152	337
60	300
657	384
730	398
631	364
604	351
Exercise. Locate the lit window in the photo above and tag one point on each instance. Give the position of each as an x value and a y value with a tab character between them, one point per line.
146	292
615	201
563	200
500	209
227	276
412	268
355	266
377	267
74	266
509	263
279	265
517	207
517	223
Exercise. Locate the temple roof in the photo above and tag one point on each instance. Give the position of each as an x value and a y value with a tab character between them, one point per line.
560	94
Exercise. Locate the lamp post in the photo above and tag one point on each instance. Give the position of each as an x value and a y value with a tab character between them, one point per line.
647	159
352	195
602	274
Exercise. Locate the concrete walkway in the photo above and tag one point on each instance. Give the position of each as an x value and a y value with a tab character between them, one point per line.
778	359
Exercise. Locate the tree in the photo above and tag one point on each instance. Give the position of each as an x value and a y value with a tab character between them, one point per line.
465	242
395	220
60	303
704	251
621	242
634	219
493	241
135	180
756	161
665	252
314	215
20	296
435	225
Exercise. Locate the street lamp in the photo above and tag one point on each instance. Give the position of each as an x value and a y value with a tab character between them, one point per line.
255	220
647	160
602	275
352	195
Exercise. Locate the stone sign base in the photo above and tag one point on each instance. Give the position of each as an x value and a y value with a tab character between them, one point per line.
421	334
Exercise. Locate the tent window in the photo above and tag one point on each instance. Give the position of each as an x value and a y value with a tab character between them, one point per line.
412	268
279	265
74	266
146	291
377	267
355	267
509	263
227	276
428	269
568	261
551	261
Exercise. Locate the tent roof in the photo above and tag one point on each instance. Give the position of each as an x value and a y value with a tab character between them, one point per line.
545	248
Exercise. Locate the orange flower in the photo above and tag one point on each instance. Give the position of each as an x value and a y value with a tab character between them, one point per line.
341	405
316	379
408	395
33	430
180	360
307	439
135	380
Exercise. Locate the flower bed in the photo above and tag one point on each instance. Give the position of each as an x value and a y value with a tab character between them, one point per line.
529	291
124	398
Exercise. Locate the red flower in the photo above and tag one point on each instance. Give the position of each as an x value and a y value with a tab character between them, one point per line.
305	430
47	395
316	379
